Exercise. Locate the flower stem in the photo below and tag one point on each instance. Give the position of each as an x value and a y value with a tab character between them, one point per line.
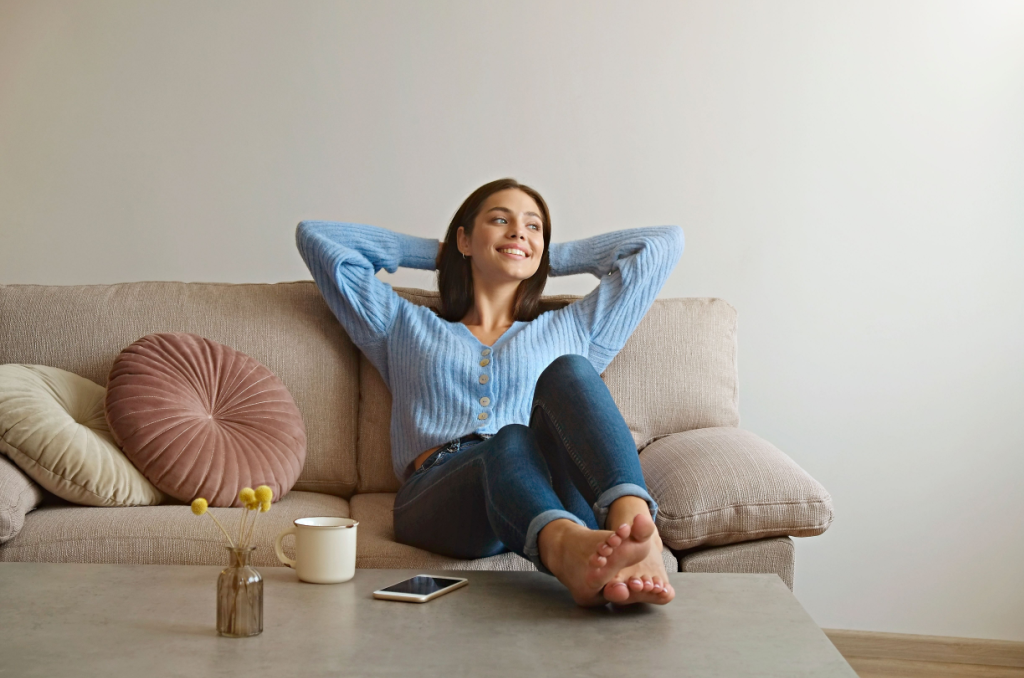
210	513
252	528
245	514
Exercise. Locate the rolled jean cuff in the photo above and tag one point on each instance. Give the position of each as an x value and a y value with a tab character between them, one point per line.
625	489
530	548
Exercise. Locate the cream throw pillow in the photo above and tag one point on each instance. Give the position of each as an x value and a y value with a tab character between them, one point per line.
52	426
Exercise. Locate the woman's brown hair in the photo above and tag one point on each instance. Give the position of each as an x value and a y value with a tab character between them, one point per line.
455	273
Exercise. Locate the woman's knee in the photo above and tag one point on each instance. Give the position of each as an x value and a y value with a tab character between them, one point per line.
566	370
514	434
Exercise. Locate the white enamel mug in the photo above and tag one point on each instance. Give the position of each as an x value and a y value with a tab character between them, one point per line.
325	549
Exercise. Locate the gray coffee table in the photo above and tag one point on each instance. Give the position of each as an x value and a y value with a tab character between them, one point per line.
156	620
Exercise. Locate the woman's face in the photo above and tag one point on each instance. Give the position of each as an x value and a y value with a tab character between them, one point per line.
508	220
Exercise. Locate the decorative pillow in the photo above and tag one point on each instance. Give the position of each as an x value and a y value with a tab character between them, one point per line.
18	496
200	419
52	427
724	485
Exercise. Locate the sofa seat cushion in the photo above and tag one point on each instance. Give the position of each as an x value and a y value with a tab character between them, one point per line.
18	496
200	419
725	485
376	546
162	535
52	426
775	555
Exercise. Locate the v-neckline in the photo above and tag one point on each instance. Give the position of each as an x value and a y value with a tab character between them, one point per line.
500	340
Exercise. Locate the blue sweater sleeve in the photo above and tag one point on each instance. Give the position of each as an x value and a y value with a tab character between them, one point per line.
632	265
343	259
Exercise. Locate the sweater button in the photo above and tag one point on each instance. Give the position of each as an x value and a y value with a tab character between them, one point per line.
485	362
483	378
486	351
485	401
482	415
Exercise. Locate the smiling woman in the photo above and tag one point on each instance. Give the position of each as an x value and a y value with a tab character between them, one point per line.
528	451
480	285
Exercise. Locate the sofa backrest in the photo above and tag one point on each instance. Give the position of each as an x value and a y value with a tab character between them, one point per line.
677	371
285	326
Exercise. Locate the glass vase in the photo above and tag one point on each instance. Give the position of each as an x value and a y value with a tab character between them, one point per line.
239	596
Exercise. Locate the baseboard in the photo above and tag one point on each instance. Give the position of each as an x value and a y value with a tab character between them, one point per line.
907	647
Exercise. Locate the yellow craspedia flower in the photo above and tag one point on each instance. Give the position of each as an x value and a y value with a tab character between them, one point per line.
252	506
264	507
247	496
264	494
199	506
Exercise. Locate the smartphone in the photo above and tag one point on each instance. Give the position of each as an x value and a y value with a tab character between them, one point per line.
421	588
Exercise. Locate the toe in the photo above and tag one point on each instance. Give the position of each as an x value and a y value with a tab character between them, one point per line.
648	584
605	550
636	584
616	592
642	527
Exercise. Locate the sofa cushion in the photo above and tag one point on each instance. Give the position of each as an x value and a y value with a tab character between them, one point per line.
200	419
762	556
376	546
286	326
160	535
375	467
18	496
677	372
725	485
52	426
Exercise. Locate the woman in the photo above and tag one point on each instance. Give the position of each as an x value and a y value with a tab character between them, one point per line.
503	435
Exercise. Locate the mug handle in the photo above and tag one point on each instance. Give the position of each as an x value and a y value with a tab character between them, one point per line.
278	547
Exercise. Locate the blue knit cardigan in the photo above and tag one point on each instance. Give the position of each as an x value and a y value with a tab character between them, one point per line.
446	383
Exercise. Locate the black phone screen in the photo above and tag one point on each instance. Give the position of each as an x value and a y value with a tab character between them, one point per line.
421	585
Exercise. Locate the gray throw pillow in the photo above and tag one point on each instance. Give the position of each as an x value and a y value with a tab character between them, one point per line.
18	496
723	485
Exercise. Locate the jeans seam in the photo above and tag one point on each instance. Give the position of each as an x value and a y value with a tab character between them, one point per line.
487	493
572	454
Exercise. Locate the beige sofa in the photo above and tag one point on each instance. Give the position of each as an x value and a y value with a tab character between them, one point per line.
728	499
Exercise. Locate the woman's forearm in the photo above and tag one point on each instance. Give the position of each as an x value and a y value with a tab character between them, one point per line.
381	247
599	254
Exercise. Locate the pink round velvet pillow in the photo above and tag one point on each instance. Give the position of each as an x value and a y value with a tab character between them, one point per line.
200	419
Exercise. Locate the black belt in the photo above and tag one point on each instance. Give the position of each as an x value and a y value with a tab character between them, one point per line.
471	436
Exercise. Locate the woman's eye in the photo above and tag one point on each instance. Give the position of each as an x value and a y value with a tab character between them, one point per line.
502	220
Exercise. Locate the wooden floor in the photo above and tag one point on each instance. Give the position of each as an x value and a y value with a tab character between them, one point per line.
897	655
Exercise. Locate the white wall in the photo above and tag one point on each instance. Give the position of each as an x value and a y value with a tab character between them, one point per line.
850	176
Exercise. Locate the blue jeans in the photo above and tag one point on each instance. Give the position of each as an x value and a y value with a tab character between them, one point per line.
477	497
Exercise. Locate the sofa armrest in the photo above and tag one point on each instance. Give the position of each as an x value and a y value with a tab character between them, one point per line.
725	485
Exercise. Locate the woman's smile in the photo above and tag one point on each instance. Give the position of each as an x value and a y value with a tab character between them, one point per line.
513	252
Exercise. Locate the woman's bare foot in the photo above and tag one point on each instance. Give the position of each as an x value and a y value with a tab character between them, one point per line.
585	560
645	582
